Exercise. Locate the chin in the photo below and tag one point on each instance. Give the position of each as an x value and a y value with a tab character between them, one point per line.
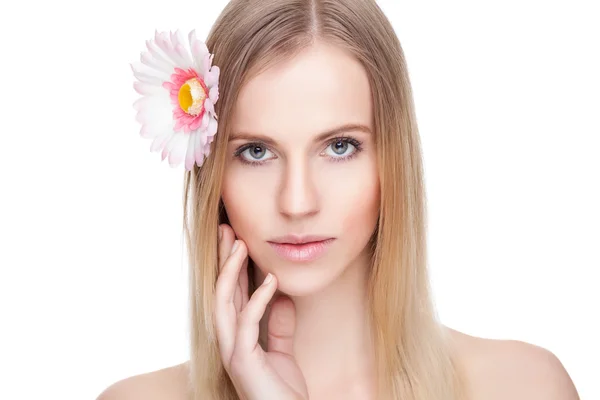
302	279
301	287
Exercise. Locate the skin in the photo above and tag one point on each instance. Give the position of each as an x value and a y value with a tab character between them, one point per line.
314	313
303	186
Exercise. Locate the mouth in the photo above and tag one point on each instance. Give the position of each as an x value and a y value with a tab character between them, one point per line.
301	249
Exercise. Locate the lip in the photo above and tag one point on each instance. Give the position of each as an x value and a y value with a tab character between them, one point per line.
301	249
299	239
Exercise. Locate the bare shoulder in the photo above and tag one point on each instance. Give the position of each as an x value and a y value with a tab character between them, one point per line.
170	383
512	369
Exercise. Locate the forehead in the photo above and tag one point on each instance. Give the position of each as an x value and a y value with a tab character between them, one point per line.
319	89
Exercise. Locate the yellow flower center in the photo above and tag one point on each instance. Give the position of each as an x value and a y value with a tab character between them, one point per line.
191	96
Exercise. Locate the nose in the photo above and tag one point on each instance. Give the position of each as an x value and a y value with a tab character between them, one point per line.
298	196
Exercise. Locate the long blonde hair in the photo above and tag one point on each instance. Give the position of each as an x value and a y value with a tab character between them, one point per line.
414	357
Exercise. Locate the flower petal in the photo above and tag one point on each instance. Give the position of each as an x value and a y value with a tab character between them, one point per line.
165	42
179	150
141	69
206	67
209	107
196	124
147	59
199	51
198	147
158	54
212	127
179	44
206	149
189	155
150	131
169	145
212	78
159	142
152	102
150	117
169	62
205	121
147	88
154	115
213	94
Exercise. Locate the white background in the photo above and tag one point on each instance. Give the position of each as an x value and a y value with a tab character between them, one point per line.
93	275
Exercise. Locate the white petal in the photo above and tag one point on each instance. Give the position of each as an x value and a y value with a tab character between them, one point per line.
159	142
170	145
158	54
199	51
154	102
212	127
206	149
152	80
179	45
148	89
189	155
212	77
198	154
147	59
213	94
168	45
205	121
163	41
143	69
209	107
185	56
206	67
154	115
150	131
178	150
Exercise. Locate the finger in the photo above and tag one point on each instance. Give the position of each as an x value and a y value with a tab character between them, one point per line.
240	297
281	326
225	243
225	312
228	278
246	340
243	283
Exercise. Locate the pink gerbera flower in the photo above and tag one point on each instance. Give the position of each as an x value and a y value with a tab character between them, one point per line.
179	88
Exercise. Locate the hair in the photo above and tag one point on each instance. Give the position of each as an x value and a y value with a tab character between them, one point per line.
415	358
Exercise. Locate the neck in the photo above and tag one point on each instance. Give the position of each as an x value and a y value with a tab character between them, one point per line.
332	341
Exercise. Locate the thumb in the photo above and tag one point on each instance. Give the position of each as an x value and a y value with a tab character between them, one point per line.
281	326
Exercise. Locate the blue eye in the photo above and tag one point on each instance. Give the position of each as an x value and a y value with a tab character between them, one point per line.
340	147
253	153
256	152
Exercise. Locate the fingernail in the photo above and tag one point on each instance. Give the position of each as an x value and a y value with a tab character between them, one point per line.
220	232
268	279
235	246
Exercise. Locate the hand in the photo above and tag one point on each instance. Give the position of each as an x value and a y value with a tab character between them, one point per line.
256	374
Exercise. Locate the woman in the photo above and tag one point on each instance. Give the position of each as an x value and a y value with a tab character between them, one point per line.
306	224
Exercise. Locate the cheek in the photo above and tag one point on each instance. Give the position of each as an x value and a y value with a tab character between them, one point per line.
246	199
354	201
362	209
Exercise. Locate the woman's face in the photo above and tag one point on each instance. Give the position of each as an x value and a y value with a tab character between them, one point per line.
286	179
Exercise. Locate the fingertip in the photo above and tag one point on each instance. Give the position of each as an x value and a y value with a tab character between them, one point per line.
268	279
235	246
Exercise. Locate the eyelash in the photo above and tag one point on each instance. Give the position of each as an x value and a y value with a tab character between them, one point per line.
346	139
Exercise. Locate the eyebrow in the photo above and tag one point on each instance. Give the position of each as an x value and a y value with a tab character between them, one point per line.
320	137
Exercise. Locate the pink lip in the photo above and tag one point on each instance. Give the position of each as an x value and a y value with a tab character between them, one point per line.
301	252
